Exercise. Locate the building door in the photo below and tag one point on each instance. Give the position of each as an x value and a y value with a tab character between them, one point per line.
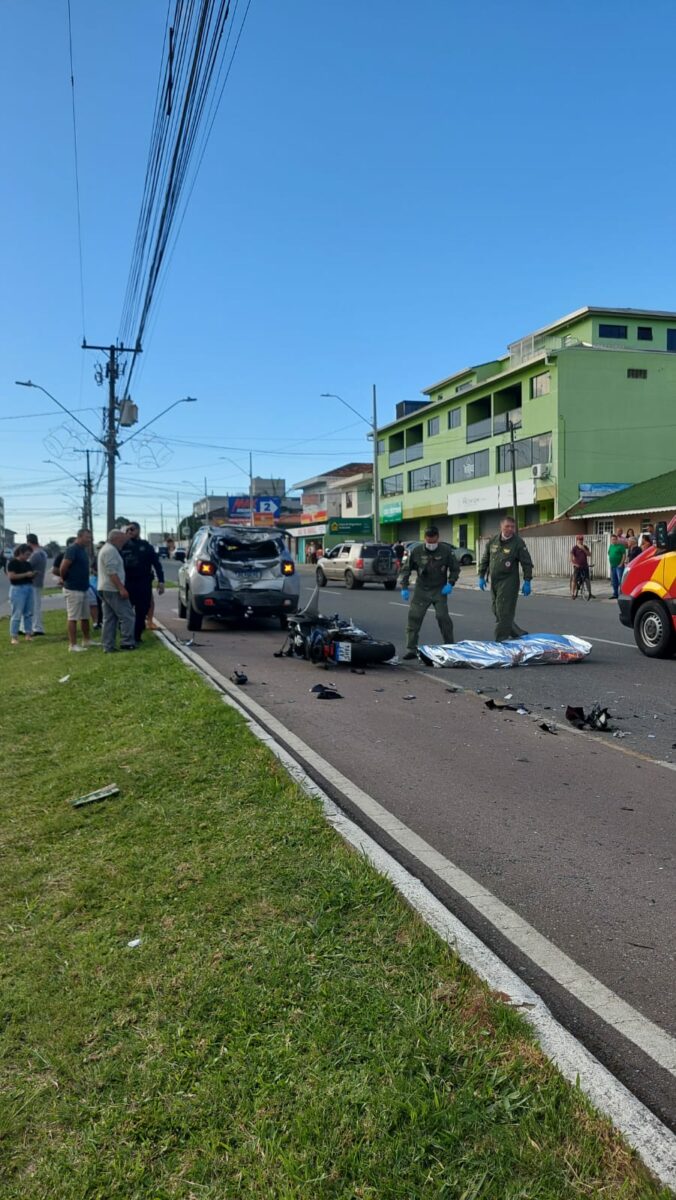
671	340
462	536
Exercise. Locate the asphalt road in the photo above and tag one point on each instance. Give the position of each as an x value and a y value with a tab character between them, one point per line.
575	834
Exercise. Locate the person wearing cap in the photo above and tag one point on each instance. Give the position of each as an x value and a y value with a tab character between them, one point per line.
437	570
579	557
501	559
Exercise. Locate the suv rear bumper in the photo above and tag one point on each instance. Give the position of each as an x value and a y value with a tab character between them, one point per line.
233	604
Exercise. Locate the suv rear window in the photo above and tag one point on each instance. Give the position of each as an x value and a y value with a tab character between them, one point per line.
374	551
229	548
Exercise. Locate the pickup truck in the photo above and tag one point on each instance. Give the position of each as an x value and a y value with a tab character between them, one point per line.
648	594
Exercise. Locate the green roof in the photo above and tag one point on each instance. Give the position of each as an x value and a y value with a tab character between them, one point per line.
652	495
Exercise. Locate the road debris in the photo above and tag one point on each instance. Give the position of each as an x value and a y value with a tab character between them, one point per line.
596	718
547	727
500	706
325	691
410	696
239	677
102	794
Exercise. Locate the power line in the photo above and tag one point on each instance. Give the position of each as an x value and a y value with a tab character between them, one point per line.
77	170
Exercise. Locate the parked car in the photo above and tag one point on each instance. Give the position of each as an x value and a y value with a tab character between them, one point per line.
238	571
179	554
162	552
357	563
647	598
464	555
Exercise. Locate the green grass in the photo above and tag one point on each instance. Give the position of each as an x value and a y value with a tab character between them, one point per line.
287	1028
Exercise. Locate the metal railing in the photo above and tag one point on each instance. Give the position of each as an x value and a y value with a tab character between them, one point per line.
479	430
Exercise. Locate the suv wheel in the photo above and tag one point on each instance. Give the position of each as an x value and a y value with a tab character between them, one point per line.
351	582
194	618
466	560
320	577
653	630
182	610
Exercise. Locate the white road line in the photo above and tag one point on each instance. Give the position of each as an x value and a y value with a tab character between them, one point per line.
654	1142
610	642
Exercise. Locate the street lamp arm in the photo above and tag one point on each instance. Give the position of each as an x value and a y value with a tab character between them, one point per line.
185	400
334	396
51	463
29	383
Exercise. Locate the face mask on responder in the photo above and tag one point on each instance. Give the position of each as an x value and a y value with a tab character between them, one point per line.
431	545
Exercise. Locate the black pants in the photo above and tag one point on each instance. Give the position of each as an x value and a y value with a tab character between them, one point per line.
141	595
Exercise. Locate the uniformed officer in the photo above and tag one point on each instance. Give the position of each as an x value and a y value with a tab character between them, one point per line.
140	561
501	560
437	569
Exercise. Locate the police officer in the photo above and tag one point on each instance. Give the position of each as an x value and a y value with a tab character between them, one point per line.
437	569
501	560
140	561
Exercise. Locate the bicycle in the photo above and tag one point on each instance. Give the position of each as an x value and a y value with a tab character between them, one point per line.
583	583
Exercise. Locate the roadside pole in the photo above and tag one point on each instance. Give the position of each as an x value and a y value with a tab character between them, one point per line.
512	451
376	486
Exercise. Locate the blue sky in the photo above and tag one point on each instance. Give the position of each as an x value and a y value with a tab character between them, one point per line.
391	192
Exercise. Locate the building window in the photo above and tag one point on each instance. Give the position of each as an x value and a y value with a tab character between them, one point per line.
392	485
540	384
527	452
464	387
636	373
454	418
468	466
433	426
348	500
424	477
612	331
644	333
381	445
604	526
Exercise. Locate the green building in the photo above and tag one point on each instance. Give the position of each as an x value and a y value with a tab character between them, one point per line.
592	398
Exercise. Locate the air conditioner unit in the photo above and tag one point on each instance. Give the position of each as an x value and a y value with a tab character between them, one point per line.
540	471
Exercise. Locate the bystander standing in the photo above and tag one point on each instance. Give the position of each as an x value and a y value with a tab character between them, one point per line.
21	577
117	607
38	564
617	554
74	571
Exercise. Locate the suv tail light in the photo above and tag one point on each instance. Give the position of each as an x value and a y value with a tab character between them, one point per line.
204	567
359	564
288	568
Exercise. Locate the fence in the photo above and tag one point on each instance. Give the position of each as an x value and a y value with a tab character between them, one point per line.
551	555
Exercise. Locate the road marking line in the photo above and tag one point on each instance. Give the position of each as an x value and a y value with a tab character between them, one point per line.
608	641
654	1142
643	1032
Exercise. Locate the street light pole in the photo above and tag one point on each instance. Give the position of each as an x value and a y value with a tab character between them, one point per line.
373	425
512	450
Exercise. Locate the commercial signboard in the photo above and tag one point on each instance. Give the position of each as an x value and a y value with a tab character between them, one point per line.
239	510
484	498
596	491
390	511
351	526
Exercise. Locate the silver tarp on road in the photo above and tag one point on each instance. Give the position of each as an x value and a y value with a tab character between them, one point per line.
519	652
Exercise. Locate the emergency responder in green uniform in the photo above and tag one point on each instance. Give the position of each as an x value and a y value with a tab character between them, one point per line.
501	560
437	569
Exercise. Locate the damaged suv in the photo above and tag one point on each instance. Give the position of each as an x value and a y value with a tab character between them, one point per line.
237	571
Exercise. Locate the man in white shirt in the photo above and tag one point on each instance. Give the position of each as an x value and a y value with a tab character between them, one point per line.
117	609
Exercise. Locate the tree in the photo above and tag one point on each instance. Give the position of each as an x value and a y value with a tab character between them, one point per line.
121	522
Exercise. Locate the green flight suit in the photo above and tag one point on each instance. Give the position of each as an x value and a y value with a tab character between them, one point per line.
501	561
433	569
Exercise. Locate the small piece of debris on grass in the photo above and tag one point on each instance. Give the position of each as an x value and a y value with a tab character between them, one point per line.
91	797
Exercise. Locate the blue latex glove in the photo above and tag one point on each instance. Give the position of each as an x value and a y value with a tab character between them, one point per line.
525	590
482	583
404	594
447	589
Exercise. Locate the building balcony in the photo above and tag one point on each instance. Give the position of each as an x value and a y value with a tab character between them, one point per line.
479	430
415	452
501	421
397	457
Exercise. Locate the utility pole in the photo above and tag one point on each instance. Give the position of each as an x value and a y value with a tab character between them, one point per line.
178	517
110	437
162	520
89	519
376	485
251	511
512	450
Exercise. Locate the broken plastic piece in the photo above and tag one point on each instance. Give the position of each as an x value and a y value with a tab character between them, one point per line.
64	679
134	943
101	794
239	677
544	725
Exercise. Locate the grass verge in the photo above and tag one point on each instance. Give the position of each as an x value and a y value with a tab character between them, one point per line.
287	1028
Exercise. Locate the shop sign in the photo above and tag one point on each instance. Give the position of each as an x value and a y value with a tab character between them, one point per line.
393	510
351	526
